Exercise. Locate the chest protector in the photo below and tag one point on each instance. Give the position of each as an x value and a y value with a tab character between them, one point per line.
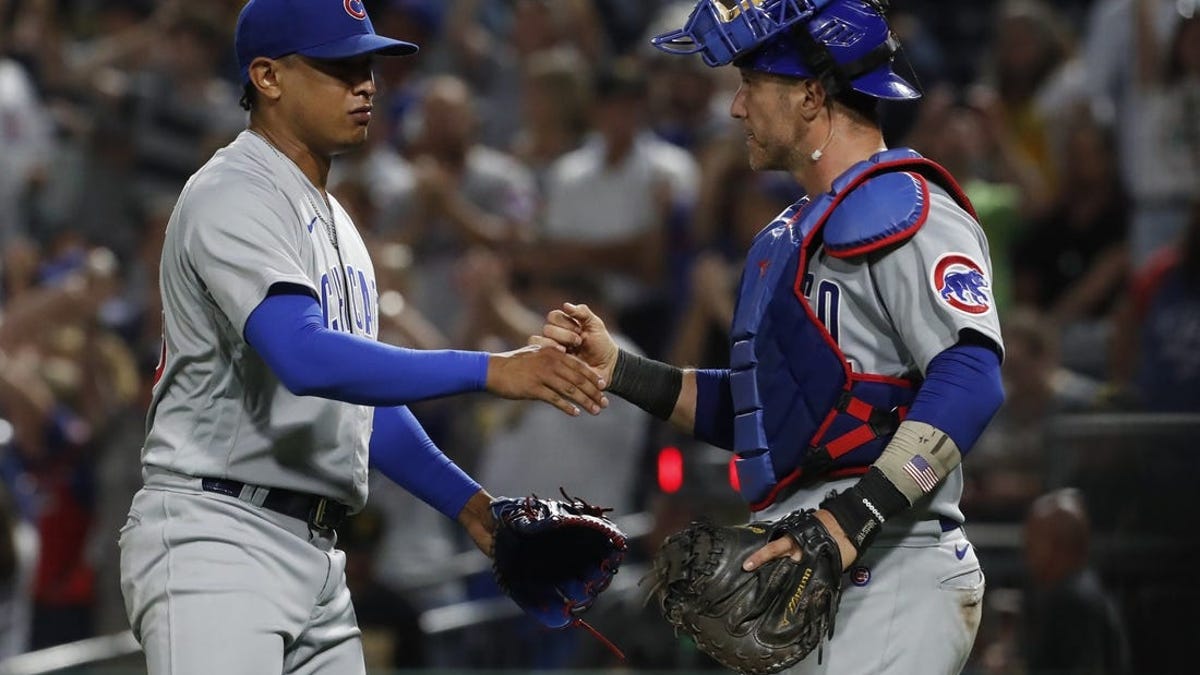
802	414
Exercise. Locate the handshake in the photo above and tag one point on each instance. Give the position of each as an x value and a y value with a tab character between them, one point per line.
570	365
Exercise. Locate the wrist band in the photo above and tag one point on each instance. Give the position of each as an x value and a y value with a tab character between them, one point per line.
865	507
651	385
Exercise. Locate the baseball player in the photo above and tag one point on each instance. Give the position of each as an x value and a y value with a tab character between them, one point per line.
865	348
272	397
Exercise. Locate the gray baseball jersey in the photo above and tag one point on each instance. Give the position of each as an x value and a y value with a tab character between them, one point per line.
891	314
915	595
249	219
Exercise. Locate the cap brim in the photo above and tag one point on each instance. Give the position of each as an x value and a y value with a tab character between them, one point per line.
357	45
884	83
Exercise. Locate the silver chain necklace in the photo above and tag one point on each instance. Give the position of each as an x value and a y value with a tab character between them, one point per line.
329	226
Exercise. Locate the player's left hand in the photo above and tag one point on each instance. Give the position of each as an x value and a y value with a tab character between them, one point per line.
476	518
787	546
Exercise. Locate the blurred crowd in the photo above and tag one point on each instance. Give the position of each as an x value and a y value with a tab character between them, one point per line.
537	151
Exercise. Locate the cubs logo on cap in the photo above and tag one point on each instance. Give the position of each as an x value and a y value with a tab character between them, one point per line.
962	283
355	9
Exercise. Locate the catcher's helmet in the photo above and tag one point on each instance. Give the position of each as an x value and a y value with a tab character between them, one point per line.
847	44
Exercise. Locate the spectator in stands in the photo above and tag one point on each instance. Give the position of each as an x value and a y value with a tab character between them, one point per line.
609	204
27	141
178	106
1072	625
493	42
68	385
1029	81
1157	342
399	81
1071	263
1166	125
555	103
684	105
26	147
463	193
1009	463
1115	38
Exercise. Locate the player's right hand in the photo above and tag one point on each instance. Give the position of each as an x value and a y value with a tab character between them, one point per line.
578	330
545	374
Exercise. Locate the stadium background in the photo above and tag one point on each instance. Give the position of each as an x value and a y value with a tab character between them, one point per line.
537	150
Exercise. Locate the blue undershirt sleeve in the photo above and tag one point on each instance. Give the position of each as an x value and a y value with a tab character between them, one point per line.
288	331
714	408
961	393
402	451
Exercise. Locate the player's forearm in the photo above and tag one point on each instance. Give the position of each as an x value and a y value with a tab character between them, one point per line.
683	417
402	451
289	333
961	393
696	402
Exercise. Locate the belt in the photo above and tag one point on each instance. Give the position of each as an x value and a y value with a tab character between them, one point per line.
320	513
948	525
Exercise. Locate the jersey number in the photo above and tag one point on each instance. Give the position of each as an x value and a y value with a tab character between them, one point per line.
826	303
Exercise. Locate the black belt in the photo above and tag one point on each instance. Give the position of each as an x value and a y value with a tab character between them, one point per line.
320	513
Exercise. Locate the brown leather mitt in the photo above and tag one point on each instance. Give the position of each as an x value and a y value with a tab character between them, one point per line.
753	622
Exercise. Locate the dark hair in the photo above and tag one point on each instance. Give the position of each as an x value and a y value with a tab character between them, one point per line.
249	96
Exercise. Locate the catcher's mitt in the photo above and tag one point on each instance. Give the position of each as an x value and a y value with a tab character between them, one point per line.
753	622
554	557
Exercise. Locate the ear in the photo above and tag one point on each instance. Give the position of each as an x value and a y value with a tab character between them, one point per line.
264	74
811	99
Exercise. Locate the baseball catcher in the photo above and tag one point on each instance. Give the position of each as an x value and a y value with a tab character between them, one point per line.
753	622
553	558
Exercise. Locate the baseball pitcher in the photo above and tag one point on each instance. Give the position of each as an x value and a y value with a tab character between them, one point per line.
272	396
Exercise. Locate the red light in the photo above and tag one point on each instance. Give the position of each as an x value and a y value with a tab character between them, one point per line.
670	470
733	475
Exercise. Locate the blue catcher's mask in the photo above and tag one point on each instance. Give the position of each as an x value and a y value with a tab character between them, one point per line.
846	44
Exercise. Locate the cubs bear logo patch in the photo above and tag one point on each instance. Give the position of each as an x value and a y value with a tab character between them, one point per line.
962	283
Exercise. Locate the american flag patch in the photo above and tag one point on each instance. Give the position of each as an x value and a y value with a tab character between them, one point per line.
922	473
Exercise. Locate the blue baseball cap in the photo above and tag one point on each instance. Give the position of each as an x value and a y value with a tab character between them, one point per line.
321	29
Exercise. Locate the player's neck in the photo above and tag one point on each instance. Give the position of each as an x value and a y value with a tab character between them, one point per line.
314	165
846	146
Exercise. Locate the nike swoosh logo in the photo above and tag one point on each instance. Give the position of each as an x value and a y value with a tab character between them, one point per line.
311	223
961	553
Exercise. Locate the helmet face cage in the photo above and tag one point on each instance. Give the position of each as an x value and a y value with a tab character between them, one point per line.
720	33
845	43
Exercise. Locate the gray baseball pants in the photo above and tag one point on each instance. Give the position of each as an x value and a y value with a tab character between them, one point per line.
216	585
